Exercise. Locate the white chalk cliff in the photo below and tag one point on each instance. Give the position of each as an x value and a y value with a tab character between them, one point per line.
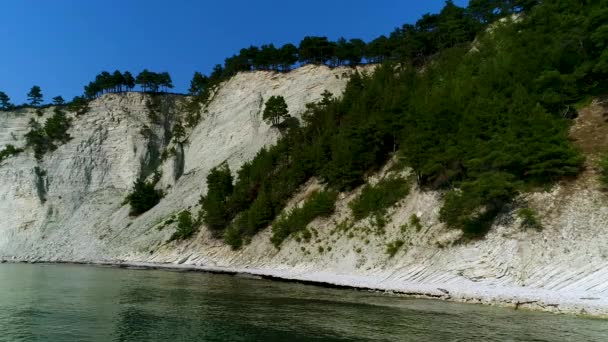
69	207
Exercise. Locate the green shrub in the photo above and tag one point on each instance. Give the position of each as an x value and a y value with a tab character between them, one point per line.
393	247
320	204
143	197
233	235
529	219
78	106
37	139
56	127
9	150
215	205
376	199
415	222
42	138
185	226
473	207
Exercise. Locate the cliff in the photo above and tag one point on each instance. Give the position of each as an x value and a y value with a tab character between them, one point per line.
70	207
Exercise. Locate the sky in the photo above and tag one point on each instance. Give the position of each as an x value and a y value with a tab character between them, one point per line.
61	45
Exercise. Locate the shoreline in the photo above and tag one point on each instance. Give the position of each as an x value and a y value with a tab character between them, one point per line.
579	304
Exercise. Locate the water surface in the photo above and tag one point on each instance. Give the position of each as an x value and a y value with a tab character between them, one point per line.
86	303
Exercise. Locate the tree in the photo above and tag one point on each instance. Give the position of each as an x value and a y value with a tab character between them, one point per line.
35	96
275	110
215	205
288	56
198	83
79	105
118	80
164	79
37	139
316	50
143	197
185	226
129	80
58	101
144	79
56	127
5	101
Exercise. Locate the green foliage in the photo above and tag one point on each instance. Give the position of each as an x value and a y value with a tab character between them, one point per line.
529	219
5	101
472	208
36	139
152	81
143	197
56	126
35	96
233	235
58	101
43	139
116	82
198	84
415	222
393	247
275	110
376	199
320	204
9	150
186	227
178	132
214	205
482	124
78	106
250	221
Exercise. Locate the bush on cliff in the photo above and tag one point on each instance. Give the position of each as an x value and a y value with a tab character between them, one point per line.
186	226
9	150
320	204
143	197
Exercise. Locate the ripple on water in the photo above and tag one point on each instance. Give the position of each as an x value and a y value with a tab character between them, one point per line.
83	303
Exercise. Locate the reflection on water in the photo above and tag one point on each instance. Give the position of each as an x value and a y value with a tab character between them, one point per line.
80	303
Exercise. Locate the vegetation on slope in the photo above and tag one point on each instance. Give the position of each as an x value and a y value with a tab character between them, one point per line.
9	150
376	199
45	138
320	204
143	197
483	123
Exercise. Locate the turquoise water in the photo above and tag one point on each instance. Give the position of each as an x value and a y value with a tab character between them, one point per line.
84	303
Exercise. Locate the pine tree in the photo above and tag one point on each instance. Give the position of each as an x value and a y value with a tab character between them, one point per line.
4	101
58	101
129	80
35	96
275	110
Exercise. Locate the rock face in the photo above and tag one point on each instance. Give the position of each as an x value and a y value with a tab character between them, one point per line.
69	207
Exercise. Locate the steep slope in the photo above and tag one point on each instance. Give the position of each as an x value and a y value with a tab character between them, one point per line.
561	268
69	206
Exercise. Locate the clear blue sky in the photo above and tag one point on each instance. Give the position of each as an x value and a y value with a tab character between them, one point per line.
61	45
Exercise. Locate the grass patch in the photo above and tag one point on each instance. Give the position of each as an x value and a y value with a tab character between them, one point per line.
393	247
529	219
415	222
